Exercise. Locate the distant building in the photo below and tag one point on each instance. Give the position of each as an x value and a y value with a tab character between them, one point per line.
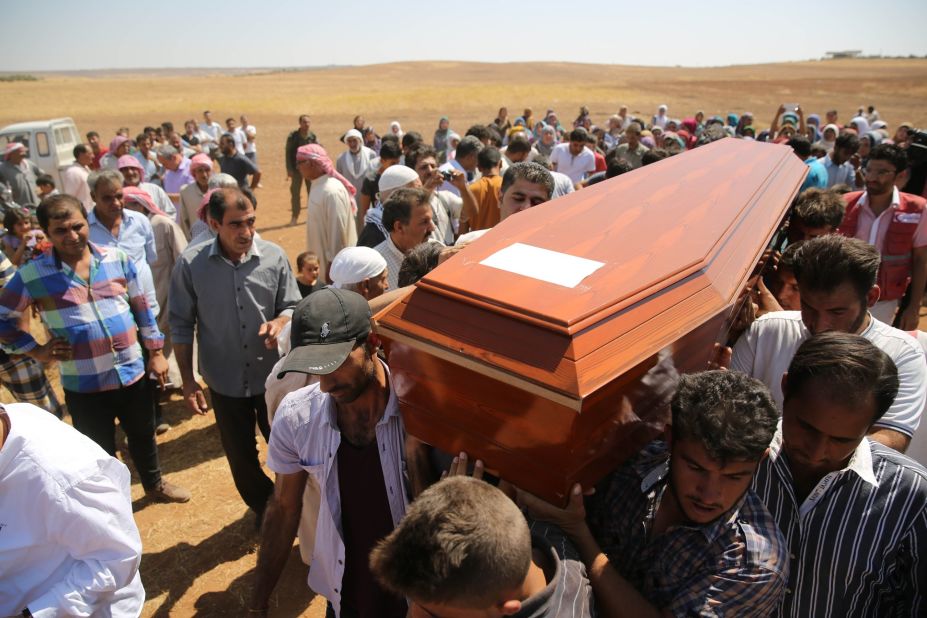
844	54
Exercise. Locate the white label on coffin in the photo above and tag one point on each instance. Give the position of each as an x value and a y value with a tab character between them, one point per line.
543	264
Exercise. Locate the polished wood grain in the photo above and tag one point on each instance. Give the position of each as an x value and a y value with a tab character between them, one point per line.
552	385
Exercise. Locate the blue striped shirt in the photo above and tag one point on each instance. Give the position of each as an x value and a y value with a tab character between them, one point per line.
736	565
858	542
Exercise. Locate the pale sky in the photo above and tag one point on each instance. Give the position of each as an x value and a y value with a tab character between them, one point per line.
52	35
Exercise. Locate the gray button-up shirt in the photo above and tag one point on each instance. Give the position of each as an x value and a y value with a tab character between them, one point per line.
227	303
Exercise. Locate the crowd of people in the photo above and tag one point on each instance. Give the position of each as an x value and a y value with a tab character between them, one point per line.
781	486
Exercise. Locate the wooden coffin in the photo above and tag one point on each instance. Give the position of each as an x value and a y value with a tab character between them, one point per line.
555	383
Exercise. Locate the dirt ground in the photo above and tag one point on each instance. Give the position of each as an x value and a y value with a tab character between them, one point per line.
199	557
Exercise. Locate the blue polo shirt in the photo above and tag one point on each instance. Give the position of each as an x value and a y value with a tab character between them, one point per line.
817	175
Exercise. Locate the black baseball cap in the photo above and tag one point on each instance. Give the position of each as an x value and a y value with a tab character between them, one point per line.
325	326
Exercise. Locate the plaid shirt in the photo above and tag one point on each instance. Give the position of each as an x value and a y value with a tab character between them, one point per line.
101	321
736	565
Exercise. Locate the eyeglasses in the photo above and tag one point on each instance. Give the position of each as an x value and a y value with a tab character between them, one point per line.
877	173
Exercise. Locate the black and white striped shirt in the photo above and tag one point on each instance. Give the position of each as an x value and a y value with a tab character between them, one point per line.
858	542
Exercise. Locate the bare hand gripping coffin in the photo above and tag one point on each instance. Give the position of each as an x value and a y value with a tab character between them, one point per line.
549	347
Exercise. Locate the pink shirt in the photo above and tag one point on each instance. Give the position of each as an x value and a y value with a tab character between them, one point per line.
873	229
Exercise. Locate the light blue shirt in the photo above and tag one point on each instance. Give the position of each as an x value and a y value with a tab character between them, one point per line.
844	173
817	175
136	239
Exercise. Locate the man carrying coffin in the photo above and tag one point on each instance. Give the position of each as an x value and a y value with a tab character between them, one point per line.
677	531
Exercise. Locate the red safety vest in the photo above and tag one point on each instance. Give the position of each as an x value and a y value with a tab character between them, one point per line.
895	270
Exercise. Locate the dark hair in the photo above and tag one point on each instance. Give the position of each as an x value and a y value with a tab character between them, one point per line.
847	367
891	153
418	152
398	206
617	167
410	138
730	414
462	542
92	134
819	208
419	262
542	161
468	146
226	120
222	199
488	158
479	131
518	144
44	179
578	135
389	149
56	207
653	155
168	126
800	145
80	149
301	116
826	262
140	137
533	172
305	256
847	140
14	216
787	259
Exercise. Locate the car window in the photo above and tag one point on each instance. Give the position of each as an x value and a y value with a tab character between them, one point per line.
41	143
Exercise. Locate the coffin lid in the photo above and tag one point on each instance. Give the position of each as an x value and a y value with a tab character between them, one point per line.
699	221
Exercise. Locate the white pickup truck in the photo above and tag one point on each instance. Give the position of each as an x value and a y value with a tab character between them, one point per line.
50	142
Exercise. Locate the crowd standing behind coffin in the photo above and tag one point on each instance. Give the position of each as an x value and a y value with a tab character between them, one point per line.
780	488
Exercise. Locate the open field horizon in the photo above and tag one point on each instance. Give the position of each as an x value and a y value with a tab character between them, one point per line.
199	557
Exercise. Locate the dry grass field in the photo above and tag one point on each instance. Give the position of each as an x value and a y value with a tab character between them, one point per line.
199	557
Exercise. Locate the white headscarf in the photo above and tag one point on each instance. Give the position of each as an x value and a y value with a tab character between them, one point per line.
396	129
862	125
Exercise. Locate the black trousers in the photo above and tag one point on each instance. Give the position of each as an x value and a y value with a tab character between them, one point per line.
235	417
95	414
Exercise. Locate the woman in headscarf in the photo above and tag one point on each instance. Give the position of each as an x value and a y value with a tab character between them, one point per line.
548	140
502	122
671	125
860	124
553	121
672	143
396	129
828	137
440	139
699	122
581	119
813	126
659	120
732	119
745	120
866	143
536	134
657	132
687	137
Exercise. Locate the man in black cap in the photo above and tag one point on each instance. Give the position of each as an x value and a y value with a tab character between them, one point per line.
347	433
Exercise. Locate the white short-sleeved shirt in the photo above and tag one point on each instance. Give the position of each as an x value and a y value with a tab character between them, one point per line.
305	436
68	542
766	350
873	229
575	167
